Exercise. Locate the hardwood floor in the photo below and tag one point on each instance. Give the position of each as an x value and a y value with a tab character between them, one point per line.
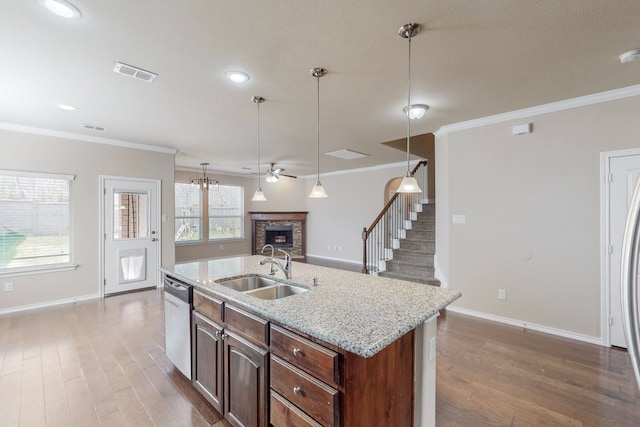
489	374
95	363
101	363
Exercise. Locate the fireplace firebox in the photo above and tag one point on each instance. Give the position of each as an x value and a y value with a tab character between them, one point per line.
280	236
287	231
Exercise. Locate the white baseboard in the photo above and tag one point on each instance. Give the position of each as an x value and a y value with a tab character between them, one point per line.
527	325
49	304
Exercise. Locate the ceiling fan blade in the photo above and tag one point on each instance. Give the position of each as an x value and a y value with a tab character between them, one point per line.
288	176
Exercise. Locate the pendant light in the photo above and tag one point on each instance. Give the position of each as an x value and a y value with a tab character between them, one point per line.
205	182
259	195
409	183
318	190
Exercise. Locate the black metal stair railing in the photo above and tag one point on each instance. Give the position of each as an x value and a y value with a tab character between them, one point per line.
389	225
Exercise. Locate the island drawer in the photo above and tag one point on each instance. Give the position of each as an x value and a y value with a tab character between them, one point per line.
208	306
285	414
315	398
246	324
306	355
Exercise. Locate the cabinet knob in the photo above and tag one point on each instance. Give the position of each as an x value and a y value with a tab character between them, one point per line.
224	336
297	390
297	351
218	333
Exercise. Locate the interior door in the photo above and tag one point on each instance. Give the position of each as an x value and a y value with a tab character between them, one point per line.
624	172
131	238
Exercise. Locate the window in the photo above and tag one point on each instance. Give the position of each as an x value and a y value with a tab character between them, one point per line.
226	212
34	221
188	213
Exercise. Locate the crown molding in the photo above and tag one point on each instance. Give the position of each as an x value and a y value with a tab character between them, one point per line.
567	104
85	138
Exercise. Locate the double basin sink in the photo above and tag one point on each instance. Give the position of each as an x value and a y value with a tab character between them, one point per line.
261	287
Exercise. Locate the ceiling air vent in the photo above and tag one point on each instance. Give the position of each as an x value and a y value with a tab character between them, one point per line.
347	154
135	72
93	127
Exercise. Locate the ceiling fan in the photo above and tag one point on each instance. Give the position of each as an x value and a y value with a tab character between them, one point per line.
273	174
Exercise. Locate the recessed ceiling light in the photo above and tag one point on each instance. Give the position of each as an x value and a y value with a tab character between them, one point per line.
67	107
61	8
630	56
237	76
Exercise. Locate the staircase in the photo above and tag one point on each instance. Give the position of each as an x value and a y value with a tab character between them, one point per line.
412	255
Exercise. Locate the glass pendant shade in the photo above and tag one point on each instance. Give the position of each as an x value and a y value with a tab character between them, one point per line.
317	192
271	178
258	196
409	183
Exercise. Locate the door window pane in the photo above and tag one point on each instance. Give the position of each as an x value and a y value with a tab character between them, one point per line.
130	216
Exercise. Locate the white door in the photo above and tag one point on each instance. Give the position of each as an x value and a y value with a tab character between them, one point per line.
131	241
624	172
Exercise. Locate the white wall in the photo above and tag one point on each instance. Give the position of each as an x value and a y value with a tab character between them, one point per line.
355	199
86	161
532	206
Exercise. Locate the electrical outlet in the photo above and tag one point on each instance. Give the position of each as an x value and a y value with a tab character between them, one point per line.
8	286
502	294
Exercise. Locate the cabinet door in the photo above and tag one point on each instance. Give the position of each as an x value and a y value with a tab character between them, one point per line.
207	359
246	382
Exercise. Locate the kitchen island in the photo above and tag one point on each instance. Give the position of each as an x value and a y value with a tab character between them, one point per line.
357	316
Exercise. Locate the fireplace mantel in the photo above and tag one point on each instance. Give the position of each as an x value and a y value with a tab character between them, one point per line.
298	220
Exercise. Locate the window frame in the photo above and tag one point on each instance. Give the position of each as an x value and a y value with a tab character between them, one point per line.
240	217
54	266
199	217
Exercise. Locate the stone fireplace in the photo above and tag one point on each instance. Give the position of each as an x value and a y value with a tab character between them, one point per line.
284	230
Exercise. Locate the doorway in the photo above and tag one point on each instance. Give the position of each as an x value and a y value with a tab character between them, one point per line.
621	172
129	227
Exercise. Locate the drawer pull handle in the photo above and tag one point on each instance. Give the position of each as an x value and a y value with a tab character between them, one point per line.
297	390
297	351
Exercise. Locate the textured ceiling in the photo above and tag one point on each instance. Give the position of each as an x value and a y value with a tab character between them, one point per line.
474	58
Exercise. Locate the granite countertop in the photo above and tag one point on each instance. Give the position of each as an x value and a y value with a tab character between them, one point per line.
357	312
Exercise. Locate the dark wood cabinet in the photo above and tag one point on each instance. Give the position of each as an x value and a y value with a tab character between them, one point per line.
230	361
245	382
207	359
259	374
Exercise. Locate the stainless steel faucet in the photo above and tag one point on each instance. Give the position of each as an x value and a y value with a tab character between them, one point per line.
272	270
286	268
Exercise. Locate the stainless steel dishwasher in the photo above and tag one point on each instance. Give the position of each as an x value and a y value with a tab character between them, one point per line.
178	297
